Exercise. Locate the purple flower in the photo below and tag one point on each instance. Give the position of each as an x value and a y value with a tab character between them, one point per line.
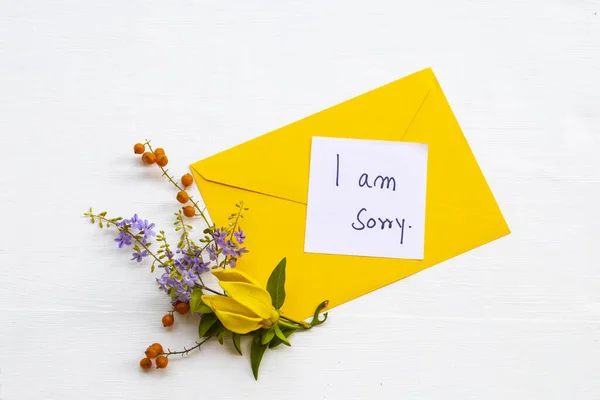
123	239
229	248
135	222
183	295
212	252
147	228
239	236
189	278
165	281
180	292
188	260
239	251
201	267
139	255
220	237
179	267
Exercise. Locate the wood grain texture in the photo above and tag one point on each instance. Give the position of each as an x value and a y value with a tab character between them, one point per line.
80	82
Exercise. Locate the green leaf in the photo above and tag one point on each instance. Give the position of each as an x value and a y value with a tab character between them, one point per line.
316	321
276	284
196	300
256	354
203	309
267	336
221	335
216	329
280	335
236	342
287	332
206	322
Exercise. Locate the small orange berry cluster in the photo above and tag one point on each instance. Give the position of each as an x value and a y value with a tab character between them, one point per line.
158	156
154	351
181	307
183	197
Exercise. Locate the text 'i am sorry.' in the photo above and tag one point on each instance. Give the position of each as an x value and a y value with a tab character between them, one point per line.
364	219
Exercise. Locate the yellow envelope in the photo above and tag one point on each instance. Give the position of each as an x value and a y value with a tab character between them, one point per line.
270	174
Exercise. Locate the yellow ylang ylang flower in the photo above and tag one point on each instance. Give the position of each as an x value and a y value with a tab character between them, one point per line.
247	306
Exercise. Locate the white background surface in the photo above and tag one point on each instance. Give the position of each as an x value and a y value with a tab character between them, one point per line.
81	82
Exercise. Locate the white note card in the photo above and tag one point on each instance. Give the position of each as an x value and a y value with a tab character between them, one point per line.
366	198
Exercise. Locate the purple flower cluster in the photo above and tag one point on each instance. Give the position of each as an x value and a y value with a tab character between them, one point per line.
142	225
227	246
139	255
239	236
183	268
182	274
124	239
144	233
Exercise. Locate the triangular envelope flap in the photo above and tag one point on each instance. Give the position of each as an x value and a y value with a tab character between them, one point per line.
277	163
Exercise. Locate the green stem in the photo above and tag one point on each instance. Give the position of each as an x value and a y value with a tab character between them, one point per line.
288	325
303	324
179	187
185	351
185	232
237	218
167	247
210	290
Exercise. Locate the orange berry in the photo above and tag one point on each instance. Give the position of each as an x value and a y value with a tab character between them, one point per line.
145	363
187	180
148	158
168	320
159	151
151	352
158	347
139	148
189	211
162	160
182	307
162	362
183	197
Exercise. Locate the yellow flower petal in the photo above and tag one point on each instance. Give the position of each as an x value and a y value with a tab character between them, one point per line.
254	298
234	275
238	323
227	304
233	315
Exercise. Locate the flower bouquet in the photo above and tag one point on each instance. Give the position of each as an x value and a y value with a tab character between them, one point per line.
244	307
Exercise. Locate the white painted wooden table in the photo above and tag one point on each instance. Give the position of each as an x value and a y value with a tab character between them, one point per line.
81	81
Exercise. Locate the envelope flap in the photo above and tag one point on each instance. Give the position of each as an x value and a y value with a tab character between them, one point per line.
277	163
